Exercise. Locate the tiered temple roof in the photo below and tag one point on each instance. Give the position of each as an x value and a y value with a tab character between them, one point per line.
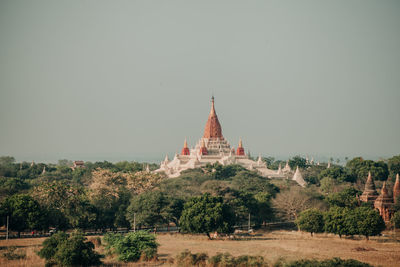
213	127
369	193
384	203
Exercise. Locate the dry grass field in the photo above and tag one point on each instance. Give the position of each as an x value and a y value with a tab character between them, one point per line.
272	246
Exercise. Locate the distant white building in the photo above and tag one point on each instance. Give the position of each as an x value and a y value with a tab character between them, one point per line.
212	148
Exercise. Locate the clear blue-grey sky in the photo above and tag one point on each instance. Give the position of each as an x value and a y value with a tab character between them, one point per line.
131	79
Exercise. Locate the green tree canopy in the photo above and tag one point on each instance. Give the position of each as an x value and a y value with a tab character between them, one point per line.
345	198
360	168
311	220
206	214
394	165
150	209
24	213
338	173
335	221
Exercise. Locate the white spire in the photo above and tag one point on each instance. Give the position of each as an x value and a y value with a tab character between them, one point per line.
279	170
166	160
299	178
329	164
147	168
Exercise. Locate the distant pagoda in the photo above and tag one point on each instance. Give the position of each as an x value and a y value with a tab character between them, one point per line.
212	148
369	194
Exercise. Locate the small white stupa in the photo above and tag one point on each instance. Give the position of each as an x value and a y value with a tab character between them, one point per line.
287	168
279	170
299	178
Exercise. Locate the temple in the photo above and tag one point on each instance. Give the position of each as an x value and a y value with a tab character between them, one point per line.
212	148
382	202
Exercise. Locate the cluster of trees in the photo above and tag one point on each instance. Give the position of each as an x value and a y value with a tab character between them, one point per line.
115	195
345	216
111	195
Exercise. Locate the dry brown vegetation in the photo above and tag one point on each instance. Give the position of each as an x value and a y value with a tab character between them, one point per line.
273	246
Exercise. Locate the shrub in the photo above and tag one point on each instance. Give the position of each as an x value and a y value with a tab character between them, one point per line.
335	262
227	260
110	241
133	246
11	254
65	250
186	258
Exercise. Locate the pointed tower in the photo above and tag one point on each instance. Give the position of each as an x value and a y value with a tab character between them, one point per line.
298	177
213	127
185	149
44	170
203	149
369	193
384	203
287	168
279	170
396	189
240	149
259	161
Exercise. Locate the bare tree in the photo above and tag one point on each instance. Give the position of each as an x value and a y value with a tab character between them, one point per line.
288	204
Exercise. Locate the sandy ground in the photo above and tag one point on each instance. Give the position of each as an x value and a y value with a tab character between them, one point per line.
272	246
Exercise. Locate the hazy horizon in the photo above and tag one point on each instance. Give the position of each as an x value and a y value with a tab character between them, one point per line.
129	80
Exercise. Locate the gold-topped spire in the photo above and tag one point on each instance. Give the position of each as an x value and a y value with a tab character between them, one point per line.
185	145
240	143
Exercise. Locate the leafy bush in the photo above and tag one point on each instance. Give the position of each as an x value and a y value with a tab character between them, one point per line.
110	240
11	254
61	249
186	258
133	246
227	260
335	262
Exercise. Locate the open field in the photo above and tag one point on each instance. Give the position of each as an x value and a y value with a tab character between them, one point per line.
272	246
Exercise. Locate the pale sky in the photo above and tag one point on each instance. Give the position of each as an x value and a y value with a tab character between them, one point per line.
129	80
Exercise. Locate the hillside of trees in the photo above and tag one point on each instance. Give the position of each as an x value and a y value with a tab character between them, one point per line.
105	195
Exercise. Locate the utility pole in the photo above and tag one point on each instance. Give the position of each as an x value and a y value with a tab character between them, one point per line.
134	222
7	227
249	223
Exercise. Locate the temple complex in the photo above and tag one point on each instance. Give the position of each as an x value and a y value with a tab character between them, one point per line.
382	202
212	148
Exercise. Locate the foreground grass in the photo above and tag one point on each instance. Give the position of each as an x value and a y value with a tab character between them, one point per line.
273	246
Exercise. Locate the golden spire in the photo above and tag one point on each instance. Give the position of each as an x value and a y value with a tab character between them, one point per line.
185	145
240	143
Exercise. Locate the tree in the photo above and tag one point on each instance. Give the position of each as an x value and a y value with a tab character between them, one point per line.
24	213
369	222
206	214
288	204
360	168
335	221
148	209
66	202
345	198
6	160
394	165
311	220
395	220
338	173
297	161
73	250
